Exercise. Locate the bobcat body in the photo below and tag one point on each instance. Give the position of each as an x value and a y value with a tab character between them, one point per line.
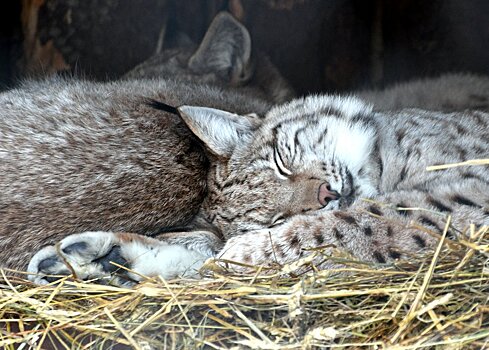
318	171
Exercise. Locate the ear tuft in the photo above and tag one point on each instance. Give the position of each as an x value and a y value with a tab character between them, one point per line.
220	131
225	50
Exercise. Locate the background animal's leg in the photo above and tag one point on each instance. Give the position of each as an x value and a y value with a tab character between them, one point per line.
99	255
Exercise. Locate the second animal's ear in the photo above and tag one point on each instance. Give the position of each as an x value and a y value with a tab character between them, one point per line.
225	50
220	131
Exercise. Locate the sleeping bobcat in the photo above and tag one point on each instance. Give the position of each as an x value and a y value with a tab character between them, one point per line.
315	172
78	155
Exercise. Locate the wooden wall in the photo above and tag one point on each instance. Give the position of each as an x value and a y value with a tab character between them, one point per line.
319	45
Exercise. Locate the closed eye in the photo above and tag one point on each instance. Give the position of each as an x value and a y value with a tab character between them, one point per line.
282	171
277	220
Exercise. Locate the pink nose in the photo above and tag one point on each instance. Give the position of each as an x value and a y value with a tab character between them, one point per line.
326	194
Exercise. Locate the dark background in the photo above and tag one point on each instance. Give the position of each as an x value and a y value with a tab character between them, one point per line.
319	45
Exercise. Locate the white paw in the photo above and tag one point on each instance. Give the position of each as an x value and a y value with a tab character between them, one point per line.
96	255
88	255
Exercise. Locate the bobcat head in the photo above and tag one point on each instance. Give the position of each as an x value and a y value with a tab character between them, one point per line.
224	58
315	153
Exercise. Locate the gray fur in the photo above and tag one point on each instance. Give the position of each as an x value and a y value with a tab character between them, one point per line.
449	92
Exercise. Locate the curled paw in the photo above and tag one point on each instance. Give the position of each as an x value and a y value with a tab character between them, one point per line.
121	259
86	256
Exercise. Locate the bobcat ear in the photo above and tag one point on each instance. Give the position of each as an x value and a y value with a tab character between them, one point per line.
225	50
220	131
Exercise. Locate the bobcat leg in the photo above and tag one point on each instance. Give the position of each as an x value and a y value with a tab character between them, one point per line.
369	231
364	231
92	255
292	240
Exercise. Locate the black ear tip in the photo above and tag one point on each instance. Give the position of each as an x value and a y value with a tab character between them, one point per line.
162	106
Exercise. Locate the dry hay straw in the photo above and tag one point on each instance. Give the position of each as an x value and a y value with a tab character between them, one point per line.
435	301
439	301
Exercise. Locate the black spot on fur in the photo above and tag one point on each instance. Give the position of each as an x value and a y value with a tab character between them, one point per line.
394	254
462	153
319	238
464	201
479	119
419	241
381	166
403	173
322	134
439	205
367	231
378	158
349	177
296	135
374	210
379	257
365	119
428	222
331	111
345	217
403	212
480	150
400	135
361	172
389	232
47	263
294	242
337	234
460	129
468	175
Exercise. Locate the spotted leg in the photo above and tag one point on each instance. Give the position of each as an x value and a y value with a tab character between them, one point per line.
368	230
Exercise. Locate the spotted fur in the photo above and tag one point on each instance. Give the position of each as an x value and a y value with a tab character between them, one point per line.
320	133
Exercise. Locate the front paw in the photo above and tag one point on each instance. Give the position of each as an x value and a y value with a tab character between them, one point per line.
100	255
87	256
